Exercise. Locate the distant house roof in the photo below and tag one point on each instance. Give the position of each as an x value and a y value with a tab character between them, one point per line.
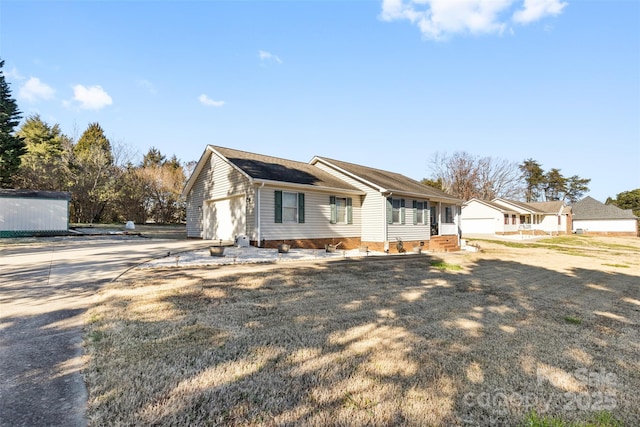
548	207
590	208
500	208
386	181
553	207
56	195
518	206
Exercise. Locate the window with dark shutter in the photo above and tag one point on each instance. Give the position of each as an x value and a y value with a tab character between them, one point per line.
278	206
334	210
301	208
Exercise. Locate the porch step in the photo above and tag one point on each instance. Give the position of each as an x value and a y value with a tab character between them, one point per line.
444	244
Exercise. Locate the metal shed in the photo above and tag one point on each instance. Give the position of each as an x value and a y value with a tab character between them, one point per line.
33	212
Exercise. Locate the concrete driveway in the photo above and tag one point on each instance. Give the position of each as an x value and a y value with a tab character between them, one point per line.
44	291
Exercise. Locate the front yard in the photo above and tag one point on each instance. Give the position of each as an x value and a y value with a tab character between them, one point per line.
455	339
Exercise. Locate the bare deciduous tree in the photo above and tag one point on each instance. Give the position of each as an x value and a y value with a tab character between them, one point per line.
466	176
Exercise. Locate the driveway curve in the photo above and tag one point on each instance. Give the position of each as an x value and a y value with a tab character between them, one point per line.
45	289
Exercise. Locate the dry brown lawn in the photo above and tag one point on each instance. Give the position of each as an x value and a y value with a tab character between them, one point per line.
548	327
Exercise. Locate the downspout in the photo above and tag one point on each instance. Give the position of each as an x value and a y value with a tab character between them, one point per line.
258	214
386	220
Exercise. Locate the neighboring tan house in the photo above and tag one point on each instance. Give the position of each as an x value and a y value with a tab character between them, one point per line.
31	212
592	217
270	201
503	216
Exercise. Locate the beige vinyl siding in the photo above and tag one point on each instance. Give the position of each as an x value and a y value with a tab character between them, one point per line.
217	180
410	231
316	224
373	206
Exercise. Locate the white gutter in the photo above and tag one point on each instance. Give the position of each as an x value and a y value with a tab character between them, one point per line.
385	196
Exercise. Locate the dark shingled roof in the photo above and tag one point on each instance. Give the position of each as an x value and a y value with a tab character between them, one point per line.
57	195
389	181
590	208
262	167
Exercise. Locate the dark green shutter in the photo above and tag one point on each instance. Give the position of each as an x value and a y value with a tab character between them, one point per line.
301	208
401	211
334	211
389	210
349	211
415	212
278	206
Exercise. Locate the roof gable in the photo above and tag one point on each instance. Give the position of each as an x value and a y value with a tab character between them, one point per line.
519	207
590	208
261	168
267	168
490	204
385	181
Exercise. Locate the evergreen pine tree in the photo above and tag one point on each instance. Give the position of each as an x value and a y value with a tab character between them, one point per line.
12	147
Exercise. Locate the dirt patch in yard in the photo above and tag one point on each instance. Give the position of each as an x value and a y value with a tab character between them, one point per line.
551	328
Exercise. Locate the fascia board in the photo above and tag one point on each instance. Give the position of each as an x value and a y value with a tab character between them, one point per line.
284	184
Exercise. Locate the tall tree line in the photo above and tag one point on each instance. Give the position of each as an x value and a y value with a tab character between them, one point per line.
467	176
105	184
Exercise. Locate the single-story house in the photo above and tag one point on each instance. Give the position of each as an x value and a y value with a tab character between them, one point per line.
31	212
269	201
593	217
503	216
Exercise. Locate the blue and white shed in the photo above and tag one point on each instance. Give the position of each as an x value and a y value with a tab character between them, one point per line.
33	212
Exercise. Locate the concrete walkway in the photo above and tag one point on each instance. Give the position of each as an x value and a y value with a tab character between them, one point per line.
45	289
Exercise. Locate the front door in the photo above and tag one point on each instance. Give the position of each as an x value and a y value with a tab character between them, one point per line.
433	220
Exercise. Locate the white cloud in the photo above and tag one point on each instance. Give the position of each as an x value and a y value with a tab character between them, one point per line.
440	19
268	56
535	10
34	90
92	97
14	74
206	101
146	84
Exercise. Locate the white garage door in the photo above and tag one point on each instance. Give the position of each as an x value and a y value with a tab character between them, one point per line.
225	219
478	226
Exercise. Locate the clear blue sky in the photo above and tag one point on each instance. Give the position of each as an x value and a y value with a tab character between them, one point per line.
383	84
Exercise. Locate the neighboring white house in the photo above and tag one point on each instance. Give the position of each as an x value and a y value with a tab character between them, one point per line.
30	212
503	216
592	217
270	200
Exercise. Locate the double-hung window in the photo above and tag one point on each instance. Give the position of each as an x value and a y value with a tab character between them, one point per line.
419	212
448	215
341	210
289	207
395	211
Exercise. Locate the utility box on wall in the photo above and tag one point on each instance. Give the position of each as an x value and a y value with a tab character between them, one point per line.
32	212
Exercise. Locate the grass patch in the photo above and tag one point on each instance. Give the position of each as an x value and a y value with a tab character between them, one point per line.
618	265
441	265
573	320
380	342
572	245
600	419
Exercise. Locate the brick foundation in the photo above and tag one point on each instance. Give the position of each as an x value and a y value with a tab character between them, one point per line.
436	244
344	243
